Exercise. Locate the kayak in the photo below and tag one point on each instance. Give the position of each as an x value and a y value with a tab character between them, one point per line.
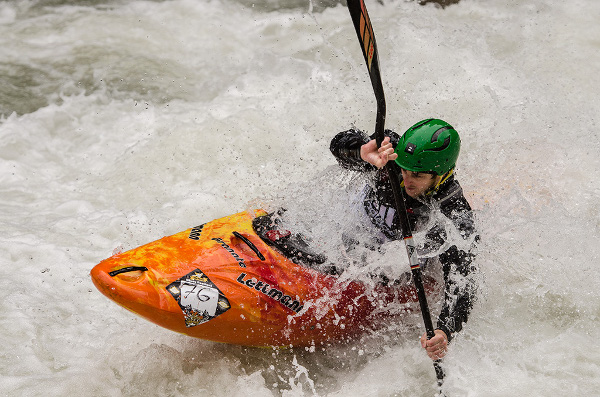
241	279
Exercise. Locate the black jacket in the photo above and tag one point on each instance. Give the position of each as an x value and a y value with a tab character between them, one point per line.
457	263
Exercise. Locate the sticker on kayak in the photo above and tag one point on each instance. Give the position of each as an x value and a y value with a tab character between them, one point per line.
199	298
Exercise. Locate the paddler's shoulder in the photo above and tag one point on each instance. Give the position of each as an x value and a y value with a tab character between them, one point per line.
450	195
454	205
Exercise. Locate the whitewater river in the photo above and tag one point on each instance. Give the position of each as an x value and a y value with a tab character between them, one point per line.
125	121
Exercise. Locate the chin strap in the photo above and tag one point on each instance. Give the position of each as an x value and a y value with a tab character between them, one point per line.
442	180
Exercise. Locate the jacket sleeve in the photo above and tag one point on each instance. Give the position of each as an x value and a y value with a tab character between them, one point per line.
460	290
345	147
460	275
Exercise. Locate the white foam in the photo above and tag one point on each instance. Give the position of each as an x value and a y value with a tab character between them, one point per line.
137	120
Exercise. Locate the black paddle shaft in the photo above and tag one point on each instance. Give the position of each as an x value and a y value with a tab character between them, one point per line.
366	37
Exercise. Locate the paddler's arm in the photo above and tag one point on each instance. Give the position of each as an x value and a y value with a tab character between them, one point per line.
460	278
460	290
354	150
459	269
345	147
459	297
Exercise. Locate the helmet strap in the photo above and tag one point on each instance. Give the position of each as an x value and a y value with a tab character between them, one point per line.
443	179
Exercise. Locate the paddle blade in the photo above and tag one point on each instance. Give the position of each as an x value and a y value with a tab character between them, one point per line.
364	30
366	37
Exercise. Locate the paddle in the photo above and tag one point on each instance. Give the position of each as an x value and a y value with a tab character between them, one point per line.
366	38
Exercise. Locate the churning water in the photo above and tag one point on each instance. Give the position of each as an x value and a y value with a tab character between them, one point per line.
125	121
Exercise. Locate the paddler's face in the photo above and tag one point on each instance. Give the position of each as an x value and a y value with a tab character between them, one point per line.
418	183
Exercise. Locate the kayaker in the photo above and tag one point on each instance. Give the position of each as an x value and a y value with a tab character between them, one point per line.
425	157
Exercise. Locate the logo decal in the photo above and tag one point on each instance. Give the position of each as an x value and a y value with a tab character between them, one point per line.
195	232
199	298
271	292
231	251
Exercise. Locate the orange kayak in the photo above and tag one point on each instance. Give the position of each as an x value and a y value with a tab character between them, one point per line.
240	280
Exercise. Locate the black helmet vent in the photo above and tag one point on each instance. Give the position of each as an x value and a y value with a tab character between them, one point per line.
439	149
421	124
436	134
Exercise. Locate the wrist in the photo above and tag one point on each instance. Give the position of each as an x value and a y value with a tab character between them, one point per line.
361	153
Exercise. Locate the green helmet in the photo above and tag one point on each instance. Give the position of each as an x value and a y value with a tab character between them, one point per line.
430	145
